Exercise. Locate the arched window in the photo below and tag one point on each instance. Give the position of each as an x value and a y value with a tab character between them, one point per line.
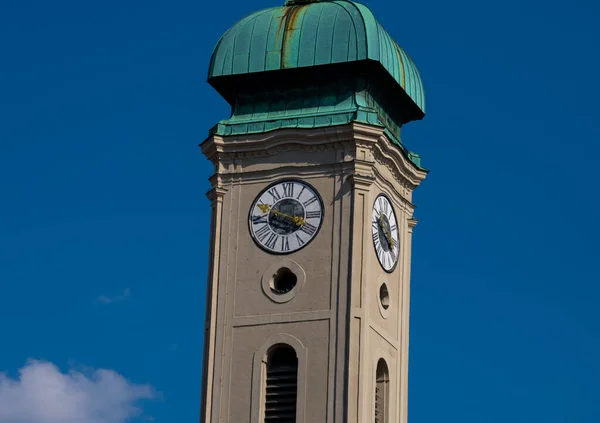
281	389
382	392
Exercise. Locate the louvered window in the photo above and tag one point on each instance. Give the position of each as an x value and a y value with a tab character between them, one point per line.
381	392
282	385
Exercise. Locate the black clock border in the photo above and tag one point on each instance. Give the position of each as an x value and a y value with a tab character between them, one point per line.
384	195
280	181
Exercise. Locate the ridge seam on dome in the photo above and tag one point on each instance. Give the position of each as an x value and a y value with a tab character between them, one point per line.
359	7
335	23
251	38
265	58
397	49
230	30
342	4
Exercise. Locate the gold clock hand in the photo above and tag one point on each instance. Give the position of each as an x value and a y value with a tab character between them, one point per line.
265	208
299	221
388	236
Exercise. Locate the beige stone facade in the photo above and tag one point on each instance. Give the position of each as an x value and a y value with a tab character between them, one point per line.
334	318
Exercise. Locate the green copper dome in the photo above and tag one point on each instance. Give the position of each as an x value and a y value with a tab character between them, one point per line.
306	33
314	64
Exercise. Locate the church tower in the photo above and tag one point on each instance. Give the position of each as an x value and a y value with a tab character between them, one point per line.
312	219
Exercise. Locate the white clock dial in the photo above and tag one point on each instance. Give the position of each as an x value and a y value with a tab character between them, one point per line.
286	216
384	229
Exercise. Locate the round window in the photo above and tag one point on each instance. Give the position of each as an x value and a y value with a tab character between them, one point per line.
283	281
384	296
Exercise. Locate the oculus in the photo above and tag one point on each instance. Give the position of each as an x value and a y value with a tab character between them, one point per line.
384	230
286	216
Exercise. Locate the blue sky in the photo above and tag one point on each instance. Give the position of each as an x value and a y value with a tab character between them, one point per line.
104	225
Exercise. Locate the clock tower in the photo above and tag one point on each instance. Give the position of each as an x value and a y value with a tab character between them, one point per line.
312	219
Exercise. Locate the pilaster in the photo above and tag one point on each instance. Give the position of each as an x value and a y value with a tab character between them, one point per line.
215	196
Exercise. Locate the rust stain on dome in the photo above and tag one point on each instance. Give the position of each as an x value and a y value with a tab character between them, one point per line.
289	22
291	36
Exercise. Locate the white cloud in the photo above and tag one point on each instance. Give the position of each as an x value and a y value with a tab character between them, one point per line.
107	300
43	394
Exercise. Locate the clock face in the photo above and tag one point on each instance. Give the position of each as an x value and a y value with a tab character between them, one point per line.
286	216
384	229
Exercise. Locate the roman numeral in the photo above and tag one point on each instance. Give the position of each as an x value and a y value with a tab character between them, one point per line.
262	232
309	229
393	228
379	249
376	237
288	189
309	202
385	259
275	194
313	214
259	219
386	207
285	244
301	191
272	241
300	242
375	225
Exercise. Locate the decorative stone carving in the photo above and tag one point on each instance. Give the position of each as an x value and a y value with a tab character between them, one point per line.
363	145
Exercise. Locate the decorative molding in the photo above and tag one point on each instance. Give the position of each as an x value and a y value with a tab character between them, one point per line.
396	194
269	274
269	319
390	156
366	147
368	134
272	174
257	145
412	223
361	181
216	195
384	335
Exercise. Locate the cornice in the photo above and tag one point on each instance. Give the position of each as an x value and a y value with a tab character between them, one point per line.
361	181
388	155
269	143
284	171
366	135
400	194
366	145
216	195
412	222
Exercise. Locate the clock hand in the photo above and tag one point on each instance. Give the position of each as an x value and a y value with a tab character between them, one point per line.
265	208
299	221
388	236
